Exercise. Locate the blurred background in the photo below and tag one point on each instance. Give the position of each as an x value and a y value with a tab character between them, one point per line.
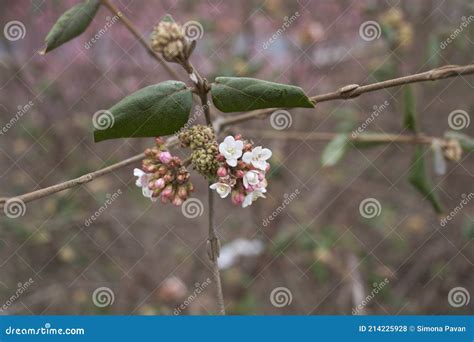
318	254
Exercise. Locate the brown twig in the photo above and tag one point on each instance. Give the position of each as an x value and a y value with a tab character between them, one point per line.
327	136
129	25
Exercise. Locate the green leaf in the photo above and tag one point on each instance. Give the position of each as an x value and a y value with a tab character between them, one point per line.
71	24
335	150
158	109
466	142
409	120
421	180
239	94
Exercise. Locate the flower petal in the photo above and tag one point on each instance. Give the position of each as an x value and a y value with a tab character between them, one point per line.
232	162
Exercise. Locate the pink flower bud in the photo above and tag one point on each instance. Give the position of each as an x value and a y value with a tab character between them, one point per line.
237	197
260	176
182	192
167	191
159	141
238	137
267	168
164	157
177	201
220	158
222	171
160	183
239	174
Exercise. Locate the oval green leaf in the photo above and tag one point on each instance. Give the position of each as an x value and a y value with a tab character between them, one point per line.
159	109
239	94
71	24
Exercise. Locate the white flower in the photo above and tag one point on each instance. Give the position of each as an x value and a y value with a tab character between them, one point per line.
222	189
257	157
142	181
231	149
251	179
253	196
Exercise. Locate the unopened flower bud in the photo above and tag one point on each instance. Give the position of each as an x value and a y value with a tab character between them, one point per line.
177	201
159	141
237	197
167	191
222	171
160	183
164	157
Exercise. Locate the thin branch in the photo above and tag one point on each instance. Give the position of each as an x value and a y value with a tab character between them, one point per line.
129	25
327	136
354	90
213	248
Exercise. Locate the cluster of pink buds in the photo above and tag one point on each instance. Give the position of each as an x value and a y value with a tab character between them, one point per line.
163	175
241	172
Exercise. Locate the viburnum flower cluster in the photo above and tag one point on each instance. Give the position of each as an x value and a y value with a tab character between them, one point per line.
242	171
163	175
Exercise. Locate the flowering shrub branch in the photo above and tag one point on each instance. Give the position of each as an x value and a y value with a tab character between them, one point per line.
234	167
